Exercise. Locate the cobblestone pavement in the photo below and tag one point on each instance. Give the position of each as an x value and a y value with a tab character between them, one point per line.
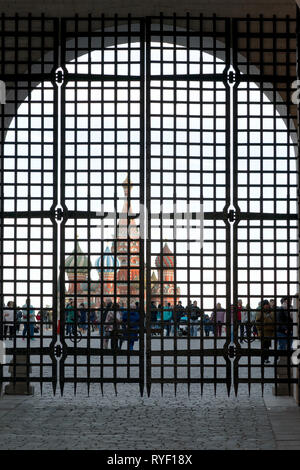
131	422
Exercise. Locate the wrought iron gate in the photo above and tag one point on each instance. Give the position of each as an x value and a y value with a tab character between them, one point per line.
265	230
29	144
147	160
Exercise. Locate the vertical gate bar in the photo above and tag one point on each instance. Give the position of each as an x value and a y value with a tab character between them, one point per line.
261	41
214	47
115	50
76	270
42	220
188	154
161	263
276	84
175	362
298	188
102	309
201	166
289	117
235	233
298	192
128	258
215	231
147	202
89	277
275	208
28	310
231	25
62	313
143	234
2	50
248	202
55	202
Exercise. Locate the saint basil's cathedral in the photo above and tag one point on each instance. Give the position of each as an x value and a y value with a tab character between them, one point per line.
113	265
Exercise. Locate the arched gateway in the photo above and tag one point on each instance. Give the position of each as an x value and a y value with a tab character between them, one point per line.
147	161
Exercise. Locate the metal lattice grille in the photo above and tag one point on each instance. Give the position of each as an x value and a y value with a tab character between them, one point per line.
187	173
265	183
29	52
103	161
147	161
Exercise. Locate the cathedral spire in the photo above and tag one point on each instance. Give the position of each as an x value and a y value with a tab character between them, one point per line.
127	185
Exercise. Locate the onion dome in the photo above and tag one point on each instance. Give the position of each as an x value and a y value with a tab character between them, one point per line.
82	262
108	262
168	258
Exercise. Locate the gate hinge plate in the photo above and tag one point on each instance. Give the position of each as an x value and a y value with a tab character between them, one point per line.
58	213
231	215
231	351
231	77
58	350
60	75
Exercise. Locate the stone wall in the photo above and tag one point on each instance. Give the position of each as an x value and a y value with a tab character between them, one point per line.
232	8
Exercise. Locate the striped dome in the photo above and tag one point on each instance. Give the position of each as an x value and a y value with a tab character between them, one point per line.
82	261
168	258
108	262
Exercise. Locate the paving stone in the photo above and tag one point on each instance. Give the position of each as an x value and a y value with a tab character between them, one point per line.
129	421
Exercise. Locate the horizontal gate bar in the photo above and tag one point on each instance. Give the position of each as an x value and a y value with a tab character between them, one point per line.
264	216
28	77
95	215
27	215
186	77
191	352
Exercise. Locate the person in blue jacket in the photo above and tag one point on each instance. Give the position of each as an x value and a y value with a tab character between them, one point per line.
167	317
131	325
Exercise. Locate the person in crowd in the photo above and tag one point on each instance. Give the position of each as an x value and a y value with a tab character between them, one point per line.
99	314
153	316
167	317
50	317
28	317
92	320
37	322
70	317
42	317
19	315
120	333
112	327
194	311
45	317
9	320
284	324
251	326
265	323
104	309
207	324
273	305
130	324
82	318
241	319
178	313
218	318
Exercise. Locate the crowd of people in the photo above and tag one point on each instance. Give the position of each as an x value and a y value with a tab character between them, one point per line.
24	320
267	322
117	324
